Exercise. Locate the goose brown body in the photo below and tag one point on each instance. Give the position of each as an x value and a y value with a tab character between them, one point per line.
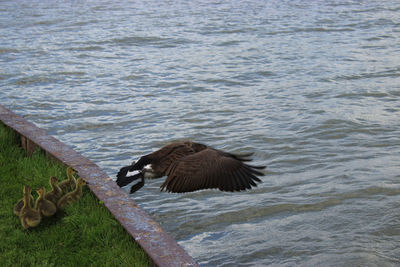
191	166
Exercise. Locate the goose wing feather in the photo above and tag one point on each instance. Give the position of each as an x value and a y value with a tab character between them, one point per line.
210	168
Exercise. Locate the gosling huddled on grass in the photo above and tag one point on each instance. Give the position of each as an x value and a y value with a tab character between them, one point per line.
48	202
70	183
43	205
72	196
55	193
29	216
20	204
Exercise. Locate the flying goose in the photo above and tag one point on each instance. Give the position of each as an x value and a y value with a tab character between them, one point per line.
191	166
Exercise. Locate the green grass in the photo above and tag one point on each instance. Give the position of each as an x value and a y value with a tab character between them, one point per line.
84	234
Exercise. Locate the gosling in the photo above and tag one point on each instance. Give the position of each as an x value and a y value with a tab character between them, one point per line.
18	206
44	206
29	217
72	196
70	183
55	193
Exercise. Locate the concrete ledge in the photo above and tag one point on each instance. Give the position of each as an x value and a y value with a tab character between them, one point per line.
161	247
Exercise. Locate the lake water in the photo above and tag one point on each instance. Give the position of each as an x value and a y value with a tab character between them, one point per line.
311	87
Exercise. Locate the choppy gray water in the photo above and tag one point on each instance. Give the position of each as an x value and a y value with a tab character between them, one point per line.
312	87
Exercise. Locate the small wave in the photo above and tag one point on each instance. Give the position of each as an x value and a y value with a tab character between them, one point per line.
133	77
86	48
160	42
334	129
249	77
225	82
229	43
83	23
365	94
379	38
395	93
215	30
6	50
171	84
312	29
266	73
46	22
369	192
5	76
36	79
70	73
374	47
193	89
322	29
393	73
332	124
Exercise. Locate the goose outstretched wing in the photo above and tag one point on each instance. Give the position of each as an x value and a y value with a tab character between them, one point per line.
211	168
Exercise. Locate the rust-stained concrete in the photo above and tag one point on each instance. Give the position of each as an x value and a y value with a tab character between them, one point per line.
161	247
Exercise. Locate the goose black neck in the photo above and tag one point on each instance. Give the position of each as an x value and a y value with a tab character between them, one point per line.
143	161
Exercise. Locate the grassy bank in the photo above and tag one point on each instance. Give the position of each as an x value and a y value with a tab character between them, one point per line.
85	233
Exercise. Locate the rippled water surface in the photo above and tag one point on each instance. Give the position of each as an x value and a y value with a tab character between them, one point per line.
311	87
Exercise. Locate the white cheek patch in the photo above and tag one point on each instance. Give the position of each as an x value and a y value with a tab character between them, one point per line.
132	173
